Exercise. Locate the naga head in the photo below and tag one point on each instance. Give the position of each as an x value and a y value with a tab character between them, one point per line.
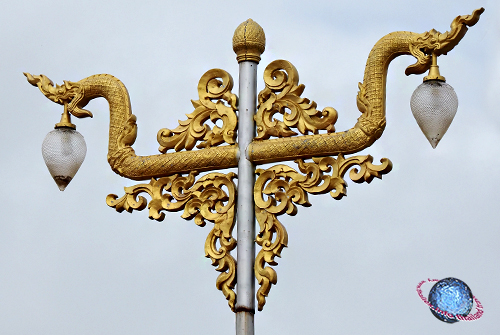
422	46
69	94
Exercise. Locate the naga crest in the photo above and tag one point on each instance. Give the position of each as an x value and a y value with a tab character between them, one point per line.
424	45
69	93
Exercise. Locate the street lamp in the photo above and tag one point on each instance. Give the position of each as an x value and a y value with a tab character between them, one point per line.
250	135
434	104
63	151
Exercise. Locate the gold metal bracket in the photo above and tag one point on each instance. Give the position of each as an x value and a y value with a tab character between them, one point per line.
280	188
65	120
434	71
210	198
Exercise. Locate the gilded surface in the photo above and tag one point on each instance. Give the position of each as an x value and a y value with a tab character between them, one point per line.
249	41
212	198
201	200
280	188
123	128
282	95
371	96
194	129
422	46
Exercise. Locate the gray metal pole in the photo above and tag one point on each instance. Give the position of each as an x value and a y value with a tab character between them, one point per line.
245	287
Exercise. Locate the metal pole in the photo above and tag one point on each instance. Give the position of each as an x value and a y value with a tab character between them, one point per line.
245	287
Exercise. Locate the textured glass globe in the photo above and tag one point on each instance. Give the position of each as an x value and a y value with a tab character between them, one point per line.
434	105
453	296
63	151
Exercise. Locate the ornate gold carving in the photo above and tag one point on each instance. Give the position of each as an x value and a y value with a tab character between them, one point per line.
371	126
278	189
282	93
193	129
422	46
285	188
123	129
211	198
249	41
69	93
371	97
272	238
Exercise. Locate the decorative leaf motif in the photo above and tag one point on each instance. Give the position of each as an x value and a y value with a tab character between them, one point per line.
282	95
202	200
284	188
212	93
270	229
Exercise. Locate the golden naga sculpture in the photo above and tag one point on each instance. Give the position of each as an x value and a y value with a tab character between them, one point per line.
173	185
281	89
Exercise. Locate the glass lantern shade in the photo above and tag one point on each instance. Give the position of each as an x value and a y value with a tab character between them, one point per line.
434	105
63	151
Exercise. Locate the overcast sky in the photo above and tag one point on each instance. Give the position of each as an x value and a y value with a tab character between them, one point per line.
69	264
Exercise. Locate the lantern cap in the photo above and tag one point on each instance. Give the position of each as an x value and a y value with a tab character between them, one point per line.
434	71
65	120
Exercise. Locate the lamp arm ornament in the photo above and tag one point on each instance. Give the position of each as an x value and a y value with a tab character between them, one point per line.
123	129
284	187
283	93
211	198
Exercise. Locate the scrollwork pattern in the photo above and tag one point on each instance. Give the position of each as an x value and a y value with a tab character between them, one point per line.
282	94
280	188
202	200
212	92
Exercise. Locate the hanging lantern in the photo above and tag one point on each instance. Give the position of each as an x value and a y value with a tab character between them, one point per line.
63	151
434	105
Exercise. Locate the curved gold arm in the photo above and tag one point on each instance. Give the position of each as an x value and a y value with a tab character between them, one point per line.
211	198
123	128
370	99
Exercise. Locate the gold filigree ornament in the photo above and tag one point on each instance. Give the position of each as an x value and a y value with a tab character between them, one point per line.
123	128
203	200
211	198
193	129
280	188
283	186
370	100
282	94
